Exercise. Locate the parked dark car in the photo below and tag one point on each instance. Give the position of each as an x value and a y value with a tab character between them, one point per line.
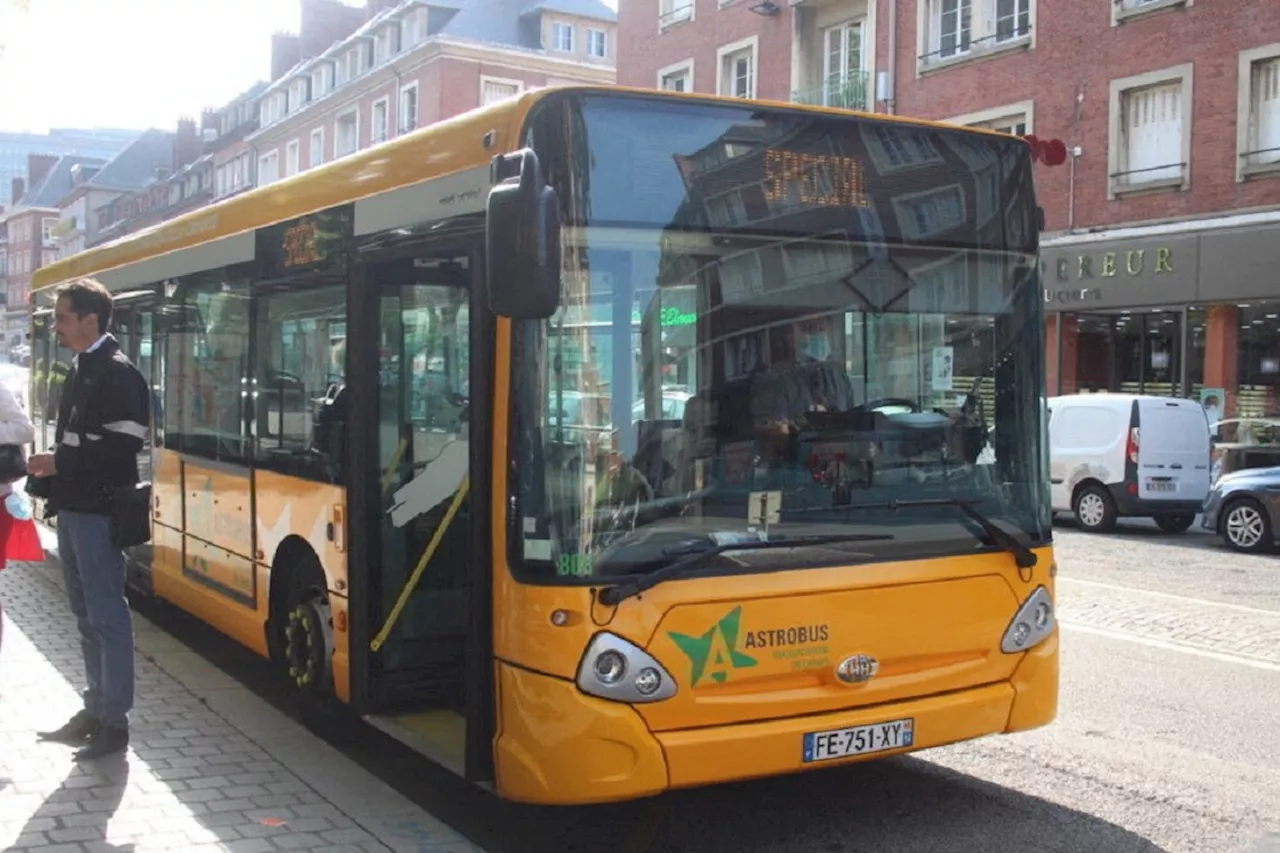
1243	508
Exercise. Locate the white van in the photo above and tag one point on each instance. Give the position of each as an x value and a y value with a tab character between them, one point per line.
1114	455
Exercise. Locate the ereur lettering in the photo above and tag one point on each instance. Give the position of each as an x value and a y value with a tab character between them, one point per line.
1130	262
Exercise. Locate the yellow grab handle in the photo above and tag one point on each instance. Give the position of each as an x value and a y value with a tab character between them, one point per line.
422	564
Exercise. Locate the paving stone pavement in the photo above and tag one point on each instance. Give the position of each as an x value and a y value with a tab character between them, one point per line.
211	767
1230	629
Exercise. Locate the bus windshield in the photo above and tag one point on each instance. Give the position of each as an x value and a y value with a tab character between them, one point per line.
778	324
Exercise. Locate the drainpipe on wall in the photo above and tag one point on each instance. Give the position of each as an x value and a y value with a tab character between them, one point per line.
1074	154
1071	191
891	100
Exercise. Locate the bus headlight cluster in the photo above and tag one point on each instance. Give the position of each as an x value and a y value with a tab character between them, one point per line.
1032	624
619	670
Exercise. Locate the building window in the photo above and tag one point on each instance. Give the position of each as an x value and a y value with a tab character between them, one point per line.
738	69
674	11
1149	135
379	128
408	108
1011	127
291	158
562	37
385	44
597	44
346	134
494	89
953	29
315	149
676	78
273	108
1258	122
321	80
843	83
1013	19
408	112
47	226
268	168
1152	132
1015	119
1124	9
414	28
298	95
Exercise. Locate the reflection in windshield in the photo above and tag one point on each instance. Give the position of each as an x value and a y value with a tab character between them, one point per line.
769	320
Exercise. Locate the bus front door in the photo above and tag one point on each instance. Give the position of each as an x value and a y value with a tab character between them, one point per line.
419	605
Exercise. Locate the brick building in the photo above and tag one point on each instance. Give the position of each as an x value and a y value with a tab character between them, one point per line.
412	63
1159	229
175	184
29	238
95	187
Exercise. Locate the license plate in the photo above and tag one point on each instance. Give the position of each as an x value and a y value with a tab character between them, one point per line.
859	740
1161	486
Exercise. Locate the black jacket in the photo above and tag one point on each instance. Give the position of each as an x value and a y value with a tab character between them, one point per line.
103	419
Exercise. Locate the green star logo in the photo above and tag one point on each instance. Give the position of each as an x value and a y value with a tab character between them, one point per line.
714	654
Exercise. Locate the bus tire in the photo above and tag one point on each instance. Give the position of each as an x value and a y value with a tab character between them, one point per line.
307	624
306	652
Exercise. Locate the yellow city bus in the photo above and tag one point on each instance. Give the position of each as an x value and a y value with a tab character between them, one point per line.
602	442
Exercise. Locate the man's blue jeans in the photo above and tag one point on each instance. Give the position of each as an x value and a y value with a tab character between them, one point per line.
94	572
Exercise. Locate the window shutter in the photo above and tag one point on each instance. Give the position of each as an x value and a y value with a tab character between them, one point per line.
1266	111
1153	124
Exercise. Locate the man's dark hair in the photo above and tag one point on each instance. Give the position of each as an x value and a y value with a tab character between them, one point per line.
88	296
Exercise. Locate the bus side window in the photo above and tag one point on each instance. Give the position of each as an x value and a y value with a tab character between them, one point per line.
300	377
206	352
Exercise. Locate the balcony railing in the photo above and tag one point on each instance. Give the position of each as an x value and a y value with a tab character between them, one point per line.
849	93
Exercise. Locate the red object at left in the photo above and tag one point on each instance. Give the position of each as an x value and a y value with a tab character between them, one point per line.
19	539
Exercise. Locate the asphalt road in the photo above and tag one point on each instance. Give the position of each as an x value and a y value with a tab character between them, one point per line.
1168	739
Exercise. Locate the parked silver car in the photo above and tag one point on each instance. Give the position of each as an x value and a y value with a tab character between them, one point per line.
1243	508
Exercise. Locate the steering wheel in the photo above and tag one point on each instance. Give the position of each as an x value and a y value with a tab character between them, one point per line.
873	405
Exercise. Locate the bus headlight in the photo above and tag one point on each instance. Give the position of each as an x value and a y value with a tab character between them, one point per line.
1033	622
619	670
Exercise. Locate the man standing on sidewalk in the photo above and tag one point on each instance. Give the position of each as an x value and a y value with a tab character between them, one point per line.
103	419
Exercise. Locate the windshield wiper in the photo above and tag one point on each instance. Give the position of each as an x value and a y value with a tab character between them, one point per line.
1022	555
696	558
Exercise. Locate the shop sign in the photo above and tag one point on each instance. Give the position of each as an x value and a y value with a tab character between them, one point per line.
1124	263
1077	280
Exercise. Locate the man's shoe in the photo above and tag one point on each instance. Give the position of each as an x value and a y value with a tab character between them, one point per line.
106	741
77	730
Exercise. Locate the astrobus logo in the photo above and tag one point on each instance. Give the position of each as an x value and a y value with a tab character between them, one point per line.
717	654
714	655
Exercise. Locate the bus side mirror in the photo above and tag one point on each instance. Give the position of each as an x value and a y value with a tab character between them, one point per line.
522	240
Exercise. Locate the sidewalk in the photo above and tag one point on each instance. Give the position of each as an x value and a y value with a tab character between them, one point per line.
211	767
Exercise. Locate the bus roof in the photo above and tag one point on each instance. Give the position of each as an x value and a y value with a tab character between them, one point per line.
460	144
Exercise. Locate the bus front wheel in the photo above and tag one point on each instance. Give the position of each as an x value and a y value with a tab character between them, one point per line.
308	641
306	654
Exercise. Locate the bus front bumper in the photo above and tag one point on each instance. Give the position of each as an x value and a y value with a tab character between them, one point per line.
559	746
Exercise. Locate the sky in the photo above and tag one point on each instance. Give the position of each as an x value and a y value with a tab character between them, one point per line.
131	63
